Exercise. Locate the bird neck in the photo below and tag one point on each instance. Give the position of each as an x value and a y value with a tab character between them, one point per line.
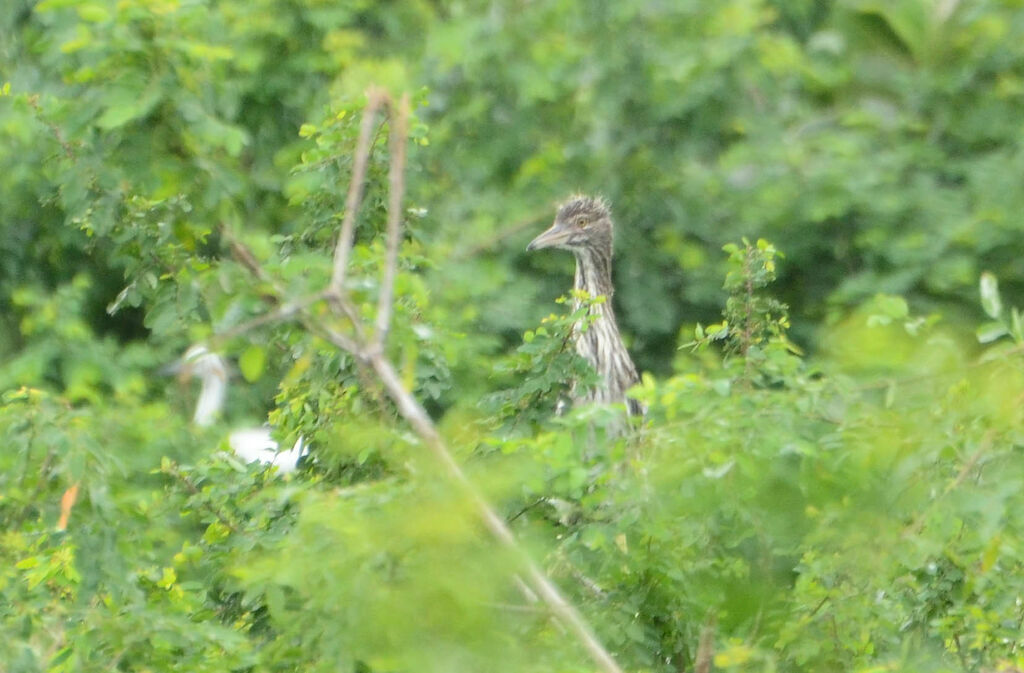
211	399
594	272
600	342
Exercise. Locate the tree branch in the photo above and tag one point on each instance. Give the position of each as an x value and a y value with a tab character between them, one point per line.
396	190
417	417
369	354
283	312
376	98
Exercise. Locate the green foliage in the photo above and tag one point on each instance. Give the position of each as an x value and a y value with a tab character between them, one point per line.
542	370
857	508
755	324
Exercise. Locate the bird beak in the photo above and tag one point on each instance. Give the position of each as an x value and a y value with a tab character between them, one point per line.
552	238
180	369
172	368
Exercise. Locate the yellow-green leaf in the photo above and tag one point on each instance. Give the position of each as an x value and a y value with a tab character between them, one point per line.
252	362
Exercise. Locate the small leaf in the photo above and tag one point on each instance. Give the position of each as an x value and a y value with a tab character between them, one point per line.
990	331
168	578
990	300
719	471
890	394
25	564
251	363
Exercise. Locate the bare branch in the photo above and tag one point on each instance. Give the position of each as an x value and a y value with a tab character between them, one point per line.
287	308
371	356
396	191
343	342
283	312
417	417
341	304
706	646
244	256
376	98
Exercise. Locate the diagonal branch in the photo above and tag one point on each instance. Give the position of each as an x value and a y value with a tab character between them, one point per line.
396	190
417	417
368	353
376	98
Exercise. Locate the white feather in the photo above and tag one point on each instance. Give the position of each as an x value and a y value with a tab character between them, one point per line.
249	444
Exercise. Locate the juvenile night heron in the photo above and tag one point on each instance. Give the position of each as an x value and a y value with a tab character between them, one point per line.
583	225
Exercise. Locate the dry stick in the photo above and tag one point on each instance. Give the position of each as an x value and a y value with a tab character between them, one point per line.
706	646
283	312
377	98
396	191
368	355
410	409
417	417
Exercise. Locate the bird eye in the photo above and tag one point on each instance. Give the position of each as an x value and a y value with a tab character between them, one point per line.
582	221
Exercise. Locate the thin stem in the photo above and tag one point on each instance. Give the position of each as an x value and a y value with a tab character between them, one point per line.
377	98
705	656
396	191
369	354
972	461
283	312
417	417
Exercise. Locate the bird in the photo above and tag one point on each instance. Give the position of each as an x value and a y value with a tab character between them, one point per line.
583	225
249	444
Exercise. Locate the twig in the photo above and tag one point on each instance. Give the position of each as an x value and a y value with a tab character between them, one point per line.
368	354
241	252
972	461
592	586
706	646
396	191
69	150
489	243
526	509
376	98
283	312
926	377
417	417
175	472
340	340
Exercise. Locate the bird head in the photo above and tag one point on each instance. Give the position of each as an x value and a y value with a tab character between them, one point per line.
202	363
198	362
581	223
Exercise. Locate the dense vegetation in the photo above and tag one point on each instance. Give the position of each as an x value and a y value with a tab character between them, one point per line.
817	267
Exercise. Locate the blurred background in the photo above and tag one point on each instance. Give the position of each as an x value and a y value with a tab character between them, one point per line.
876	144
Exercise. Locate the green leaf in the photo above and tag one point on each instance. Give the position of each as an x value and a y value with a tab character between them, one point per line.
990	331
252	363
990	300
127	104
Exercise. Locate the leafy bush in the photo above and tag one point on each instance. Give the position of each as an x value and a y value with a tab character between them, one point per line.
174	172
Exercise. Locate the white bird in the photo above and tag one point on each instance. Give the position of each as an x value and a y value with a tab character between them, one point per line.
249	444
